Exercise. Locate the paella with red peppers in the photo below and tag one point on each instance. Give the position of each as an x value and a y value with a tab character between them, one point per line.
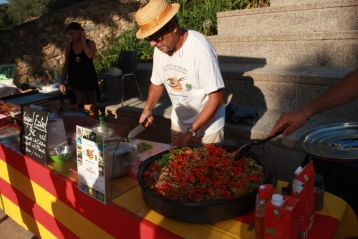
204	174
201	183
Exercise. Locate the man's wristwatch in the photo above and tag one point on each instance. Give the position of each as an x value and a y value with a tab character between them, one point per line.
84	43
193	133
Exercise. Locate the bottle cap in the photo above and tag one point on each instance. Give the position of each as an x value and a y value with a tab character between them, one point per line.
318	180
298	170
265	191
277	199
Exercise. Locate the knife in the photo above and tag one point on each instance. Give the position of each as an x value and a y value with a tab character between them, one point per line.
137	130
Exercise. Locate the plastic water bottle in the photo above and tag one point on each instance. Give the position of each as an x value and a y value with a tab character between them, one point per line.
264	195
56	74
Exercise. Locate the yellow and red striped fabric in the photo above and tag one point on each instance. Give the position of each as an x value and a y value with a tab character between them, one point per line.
51	206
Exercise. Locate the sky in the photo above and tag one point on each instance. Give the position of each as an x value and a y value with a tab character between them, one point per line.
3	1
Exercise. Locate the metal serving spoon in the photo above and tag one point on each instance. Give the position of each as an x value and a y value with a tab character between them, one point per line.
243	150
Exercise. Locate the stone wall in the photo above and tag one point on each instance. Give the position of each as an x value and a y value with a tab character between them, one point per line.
38	45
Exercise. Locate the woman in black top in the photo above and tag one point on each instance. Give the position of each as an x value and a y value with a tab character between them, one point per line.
82	76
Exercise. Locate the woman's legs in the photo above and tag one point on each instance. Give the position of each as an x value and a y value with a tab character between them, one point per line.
79	97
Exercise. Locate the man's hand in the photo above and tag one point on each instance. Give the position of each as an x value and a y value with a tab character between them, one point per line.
294	119
146	117
185	139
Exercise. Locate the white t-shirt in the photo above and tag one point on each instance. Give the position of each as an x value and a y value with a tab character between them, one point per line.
189	75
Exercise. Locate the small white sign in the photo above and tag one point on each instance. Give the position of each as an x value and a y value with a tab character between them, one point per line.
7	73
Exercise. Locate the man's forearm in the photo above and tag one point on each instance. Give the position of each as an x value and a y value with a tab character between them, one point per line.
341	93
214	103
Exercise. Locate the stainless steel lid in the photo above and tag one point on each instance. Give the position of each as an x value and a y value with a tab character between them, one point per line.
335	142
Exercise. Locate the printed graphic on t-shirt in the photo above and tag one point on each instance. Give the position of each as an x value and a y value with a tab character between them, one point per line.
178	84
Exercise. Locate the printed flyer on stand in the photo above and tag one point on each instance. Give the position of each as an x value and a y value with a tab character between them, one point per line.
90	165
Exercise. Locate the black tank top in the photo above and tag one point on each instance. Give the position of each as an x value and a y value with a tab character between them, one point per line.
82	74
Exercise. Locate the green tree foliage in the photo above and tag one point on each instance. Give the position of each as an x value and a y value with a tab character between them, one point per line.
126	41
200	15
16	12
22	10
5	20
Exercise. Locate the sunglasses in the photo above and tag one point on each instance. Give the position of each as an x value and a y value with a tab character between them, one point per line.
158	36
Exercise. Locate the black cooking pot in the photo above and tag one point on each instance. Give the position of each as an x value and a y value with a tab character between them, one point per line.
204	212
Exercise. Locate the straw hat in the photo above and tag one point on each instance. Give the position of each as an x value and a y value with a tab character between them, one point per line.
153	16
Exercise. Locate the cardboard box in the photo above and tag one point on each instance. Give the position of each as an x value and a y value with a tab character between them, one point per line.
303	189
281	222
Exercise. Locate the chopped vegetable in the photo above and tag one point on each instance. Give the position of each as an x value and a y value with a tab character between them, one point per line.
204	174
143	147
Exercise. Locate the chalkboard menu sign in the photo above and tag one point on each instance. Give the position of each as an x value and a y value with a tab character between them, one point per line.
35	133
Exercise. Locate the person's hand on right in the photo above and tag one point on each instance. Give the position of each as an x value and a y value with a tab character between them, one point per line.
294	119
146	117
62	88
83	36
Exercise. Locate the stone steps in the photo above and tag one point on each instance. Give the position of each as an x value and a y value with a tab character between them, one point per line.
282	88
330	16
316	34
335	49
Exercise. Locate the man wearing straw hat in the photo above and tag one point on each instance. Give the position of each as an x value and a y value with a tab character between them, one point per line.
186	65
